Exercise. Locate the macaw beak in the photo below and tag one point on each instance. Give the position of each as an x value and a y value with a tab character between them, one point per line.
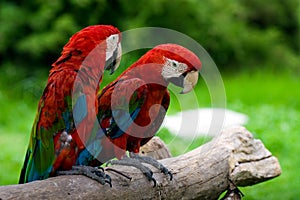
189	81
113	62
186	80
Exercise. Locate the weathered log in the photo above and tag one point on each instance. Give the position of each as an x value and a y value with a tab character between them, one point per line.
202	173
156	149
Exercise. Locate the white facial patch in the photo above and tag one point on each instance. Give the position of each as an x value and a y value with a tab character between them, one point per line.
173	68
112	44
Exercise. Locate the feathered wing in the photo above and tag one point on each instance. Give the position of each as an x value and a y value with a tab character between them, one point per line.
156	124
119	104
55	115
34	168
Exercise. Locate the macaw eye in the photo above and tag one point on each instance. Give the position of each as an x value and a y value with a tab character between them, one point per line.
174	64
113	38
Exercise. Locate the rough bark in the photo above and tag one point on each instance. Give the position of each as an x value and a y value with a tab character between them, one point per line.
200	174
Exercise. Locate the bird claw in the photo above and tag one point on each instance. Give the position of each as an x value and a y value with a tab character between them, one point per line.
118	172
154	182
167	172
95	173
153	162
136	161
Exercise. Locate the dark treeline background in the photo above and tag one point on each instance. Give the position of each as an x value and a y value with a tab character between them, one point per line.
238	34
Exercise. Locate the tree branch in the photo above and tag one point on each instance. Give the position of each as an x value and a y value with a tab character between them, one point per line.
202	173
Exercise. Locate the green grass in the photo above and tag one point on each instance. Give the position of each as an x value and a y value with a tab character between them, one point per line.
271	101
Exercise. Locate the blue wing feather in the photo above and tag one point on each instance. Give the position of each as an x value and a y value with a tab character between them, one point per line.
123	115
92	150
35	173
80	109
124	120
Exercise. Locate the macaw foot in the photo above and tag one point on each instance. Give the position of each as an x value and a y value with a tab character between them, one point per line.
233	192
95	173
136	161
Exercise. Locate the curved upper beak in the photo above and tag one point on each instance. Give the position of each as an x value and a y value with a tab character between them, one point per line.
186	80
113	62
189	81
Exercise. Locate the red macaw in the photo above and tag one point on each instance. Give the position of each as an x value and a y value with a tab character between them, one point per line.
132	108
69	100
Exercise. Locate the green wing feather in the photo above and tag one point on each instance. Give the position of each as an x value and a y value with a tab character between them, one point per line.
49	121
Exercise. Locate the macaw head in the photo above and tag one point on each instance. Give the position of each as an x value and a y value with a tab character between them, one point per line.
102	41
179	65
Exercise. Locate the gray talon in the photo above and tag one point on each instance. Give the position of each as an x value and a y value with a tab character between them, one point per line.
95	173
136	161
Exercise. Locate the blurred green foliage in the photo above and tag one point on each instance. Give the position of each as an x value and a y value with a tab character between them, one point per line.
238	34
